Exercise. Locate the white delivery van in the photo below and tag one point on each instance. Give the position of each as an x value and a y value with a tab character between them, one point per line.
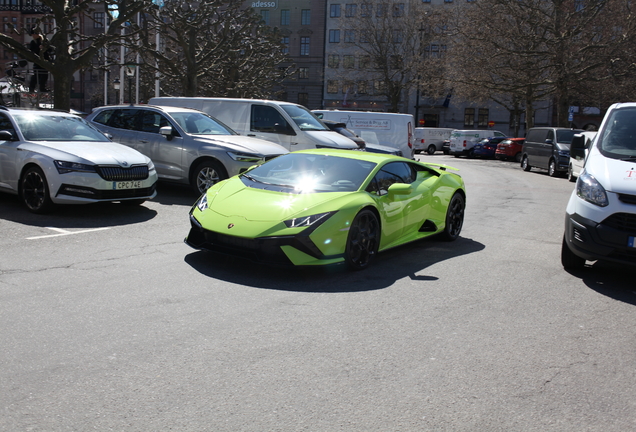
430	139
462	141
290	125
579	146
600	218
386	129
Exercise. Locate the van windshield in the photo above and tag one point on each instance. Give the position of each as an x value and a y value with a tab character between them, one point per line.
304	118
196	123
617	139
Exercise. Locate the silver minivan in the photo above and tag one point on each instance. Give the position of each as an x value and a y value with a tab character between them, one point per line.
186	145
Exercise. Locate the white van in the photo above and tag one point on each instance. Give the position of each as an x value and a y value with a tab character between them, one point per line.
290	125
600	218
579	146
430	139
386	129
462	141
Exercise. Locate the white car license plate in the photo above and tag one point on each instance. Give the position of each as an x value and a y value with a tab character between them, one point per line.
127	185
631	242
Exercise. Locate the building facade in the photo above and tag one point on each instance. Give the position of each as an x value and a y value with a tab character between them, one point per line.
302	26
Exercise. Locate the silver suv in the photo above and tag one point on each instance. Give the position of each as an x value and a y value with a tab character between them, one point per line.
186	145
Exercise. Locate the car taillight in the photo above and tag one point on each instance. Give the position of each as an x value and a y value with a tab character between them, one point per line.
464	143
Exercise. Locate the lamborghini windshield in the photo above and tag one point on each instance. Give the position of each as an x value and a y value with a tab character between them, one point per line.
302	173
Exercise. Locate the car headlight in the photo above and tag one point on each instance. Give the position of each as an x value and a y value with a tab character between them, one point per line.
245	157
202	204
564	153
306	221
590	190
151	166
67	167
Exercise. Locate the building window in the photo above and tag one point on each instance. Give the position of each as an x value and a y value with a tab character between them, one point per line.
98	20
334	36
366	9
303	99
349	36
333	61
426	1
396	62
265	16
398	36
348	88
305	17
303	73
365	62
285	41
362	87
334	11
348	61
350	10
304	46
284	17
398	10
448	1
482	119
332	86
381	10
379	87
469	117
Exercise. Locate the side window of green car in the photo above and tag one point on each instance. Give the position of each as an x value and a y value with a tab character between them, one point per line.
393	172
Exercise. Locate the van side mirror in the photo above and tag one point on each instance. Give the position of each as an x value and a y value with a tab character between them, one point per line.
577	146
283	129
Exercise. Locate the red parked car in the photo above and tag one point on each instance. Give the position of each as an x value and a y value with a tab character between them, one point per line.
510	149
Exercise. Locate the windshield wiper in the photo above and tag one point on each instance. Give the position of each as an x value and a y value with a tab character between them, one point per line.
629	158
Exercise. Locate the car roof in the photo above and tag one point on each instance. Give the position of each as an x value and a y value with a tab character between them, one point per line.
360	155
47	112
164	108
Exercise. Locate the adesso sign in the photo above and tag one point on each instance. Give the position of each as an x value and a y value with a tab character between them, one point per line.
264	4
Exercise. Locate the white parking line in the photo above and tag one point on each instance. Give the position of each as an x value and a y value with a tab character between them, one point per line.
63	232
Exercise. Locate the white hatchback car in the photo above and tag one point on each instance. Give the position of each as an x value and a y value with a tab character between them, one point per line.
50	157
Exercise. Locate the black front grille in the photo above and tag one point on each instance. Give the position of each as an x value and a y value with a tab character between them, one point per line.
621	221
627	199
115	173
114	195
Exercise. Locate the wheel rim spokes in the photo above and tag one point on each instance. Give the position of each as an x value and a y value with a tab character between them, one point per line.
33	190
364	240
456	216
207	177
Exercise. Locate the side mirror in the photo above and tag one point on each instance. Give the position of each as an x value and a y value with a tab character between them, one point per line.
166	131
577	147
283	129
5	135
400	189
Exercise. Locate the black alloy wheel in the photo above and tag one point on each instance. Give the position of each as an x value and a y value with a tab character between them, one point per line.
34	191
363	240
454	217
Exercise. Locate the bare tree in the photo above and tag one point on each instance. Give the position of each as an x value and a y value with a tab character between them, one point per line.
530	50
72	50
394	50
212	48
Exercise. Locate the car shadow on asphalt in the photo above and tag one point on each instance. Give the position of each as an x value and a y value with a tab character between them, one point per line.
175	194
611	280
389	266
96	215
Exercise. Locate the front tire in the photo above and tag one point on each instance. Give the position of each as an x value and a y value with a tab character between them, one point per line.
431	150
207	174
454	217
569	259
34	191
552	169
525	164
571	176
363	240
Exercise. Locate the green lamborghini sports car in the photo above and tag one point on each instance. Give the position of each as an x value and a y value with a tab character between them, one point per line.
321	206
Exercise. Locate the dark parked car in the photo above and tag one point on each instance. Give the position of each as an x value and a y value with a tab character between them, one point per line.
548	148
486	148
